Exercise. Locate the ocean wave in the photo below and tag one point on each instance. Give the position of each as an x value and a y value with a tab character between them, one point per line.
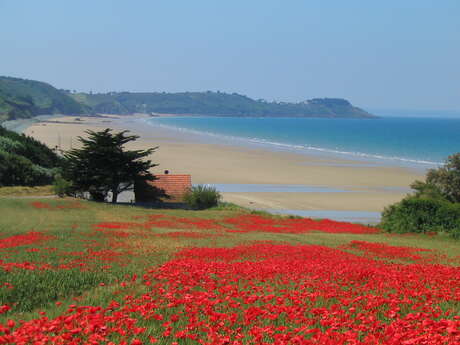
348	153
296	147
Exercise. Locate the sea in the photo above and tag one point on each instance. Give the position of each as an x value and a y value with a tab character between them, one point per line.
419	143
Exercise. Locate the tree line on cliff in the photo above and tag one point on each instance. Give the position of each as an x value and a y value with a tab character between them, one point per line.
22	98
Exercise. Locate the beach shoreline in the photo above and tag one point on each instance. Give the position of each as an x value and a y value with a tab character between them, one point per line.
370	188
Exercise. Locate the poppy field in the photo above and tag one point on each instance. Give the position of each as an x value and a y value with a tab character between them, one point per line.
76	272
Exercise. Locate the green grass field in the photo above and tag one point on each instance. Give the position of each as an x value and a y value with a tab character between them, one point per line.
54	255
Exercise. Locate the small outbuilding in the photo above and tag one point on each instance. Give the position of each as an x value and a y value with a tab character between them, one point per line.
166	187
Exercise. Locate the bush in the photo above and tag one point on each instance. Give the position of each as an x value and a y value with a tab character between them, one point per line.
28	147
422	215
16	170
201	197
442	182
10	145
61	186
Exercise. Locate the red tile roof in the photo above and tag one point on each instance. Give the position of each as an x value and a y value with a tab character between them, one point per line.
174	186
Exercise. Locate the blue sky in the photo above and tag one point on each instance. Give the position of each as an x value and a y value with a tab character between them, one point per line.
378	54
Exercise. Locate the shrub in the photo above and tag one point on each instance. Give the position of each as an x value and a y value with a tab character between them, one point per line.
28	147
442	182
202	196
61	186
422	215
16	170
10	145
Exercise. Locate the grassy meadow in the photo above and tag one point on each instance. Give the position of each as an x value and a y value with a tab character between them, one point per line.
79	272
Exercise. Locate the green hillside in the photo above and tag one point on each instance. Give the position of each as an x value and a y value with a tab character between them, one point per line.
22	98
214	103
24	161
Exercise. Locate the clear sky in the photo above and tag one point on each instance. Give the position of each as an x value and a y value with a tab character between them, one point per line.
378	54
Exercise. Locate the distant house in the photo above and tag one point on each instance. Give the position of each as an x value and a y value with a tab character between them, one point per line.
167	186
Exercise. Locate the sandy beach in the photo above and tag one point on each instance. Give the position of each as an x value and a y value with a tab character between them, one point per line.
369	188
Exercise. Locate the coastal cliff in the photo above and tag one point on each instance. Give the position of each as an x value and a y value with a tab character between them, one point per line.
215	104
22	98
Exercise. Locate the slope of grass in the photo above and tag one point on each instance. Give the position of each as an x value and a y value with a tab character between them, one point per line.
22	98
64	252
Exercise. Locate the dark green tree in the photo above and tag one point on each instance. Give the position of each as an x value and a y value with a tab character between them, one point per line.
442	182
102	164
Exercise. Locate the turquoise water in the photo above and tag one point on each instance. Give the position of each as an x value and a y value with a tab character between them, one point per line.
424	142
